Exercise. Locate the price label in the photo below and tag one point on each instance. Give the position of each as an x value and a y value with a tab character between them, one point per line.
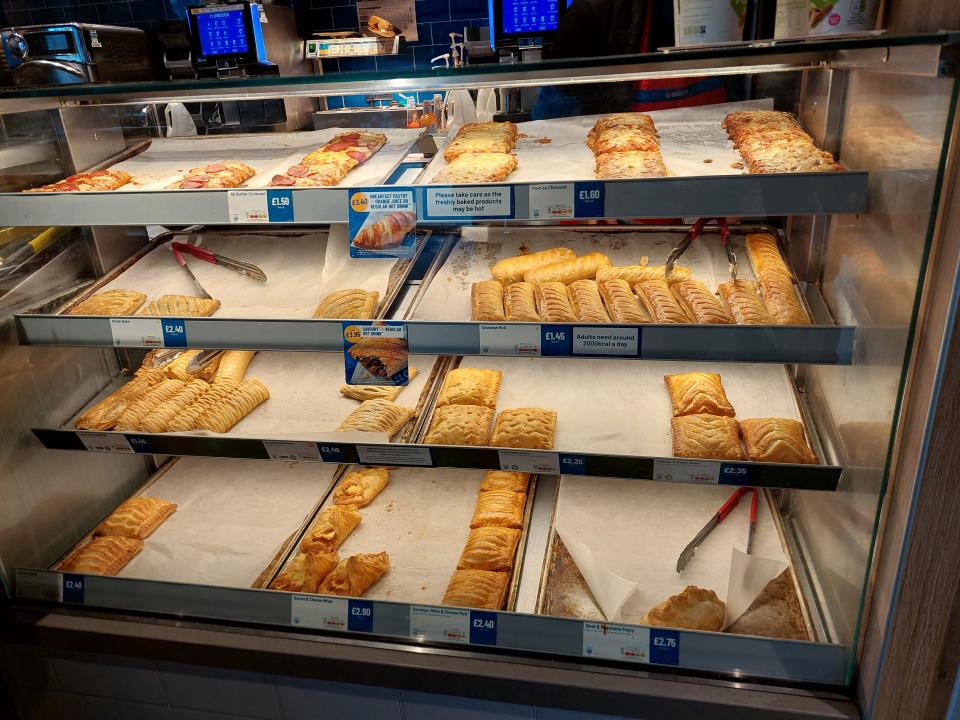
588	199
531	461
376	220
174	332
292	450
664	646
610	641
573	464
137	332
73	588
556	340
394	455
104	442
314	611
360	616
483	627
247	206
602	341
39	585
280	206
551	201
332	453
697	472
441	624
469	202
140	444
509	339
736	474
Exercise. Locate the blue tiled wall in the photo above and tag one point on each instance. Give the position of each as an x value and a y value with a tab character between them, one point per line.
138	13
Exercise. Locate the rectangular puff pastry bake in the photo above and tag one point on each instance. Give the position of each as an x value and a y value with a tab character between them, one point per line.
354	575
353	304
460	425
660	303
700	305
110	302
471	386
505	480
698	393
94	181
181	305
488	137
374	392
624	119
626	138
477	589
381	356
621	304
305	571
377	416
330	529
531	427
520	303
215	175
500	508
586	303
360	487
553	302
741	299
486	301
712	437
136	517
237	404
103	555
780	440
641	273
695	608
489	548
567	271
512	269
631	164
476	168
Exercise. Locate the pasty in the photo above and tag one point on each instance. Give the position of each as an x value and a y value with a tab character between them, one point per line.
641	273
566	271
532	427
505	480
351	304
354	575
624	119
330	529
632	164
305	571
476	168
477	589
698	393
774	142
110	302
778	440
239	403
519	302
215	175
713	437
460	425
512	269
500	508
136	517
488	137
780	297
621	304
360	487
660	302
387	232
103	555
104	415
489	548
374	392
553	303
586	303
741	299
381	356
470	386
136	410
701	305
233	365
486	301
625	138
324	168
377	416
187	419
96	180
695	608
156	420
174	305
357	144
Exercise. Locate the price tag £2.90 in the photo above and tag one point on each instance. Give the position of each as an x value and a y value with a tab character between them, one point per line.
315	611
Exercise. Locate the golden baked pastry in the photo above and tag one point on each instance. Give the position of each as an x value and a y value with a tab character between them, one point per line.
477	589
476	168
621	304
512	269
177	368
505	480
641	273
377	416
239	403
553	303
775	612
136	517
110	302
487	137
330	529
209	371
531	427
176	305
490	548
500	508
780	297
215	175
325	168
460	425
695	608
774	142
93	181
741	299
519	302
187	419
305	571
701	305
625	139
586	303
360	487
713	437
486	301
136	410
354	575
381	356
660	303
233	365
698	393
357	144
354	304
624	119
779	440
104	415
103	555
566	271
156	420
470	386
387	232
764	253
374	392
630	164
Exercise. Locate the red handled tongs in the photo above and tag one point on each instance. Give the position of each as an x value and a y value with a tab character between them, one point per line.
719	516
693	234
244	268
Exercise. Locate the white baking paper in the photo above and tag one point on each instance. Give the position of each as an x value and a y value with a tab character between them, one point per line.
609	590
749	575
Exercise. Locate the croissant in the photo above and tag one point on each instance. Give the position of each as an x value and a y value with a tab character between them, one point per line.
137	410
237	405
330	529
157	419
233	364
355	574
188	418
388	231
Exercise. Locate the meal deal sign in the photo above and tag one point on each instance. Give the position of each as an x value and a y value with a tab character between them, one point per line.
469	202
375	352
382	223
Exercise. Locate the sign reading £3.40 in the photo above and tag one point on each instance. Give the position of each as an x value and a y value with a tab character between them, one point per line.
382	223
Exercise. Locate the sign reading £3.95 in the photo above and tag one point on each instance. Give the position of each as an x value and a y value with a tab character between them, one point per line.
375	352
382	223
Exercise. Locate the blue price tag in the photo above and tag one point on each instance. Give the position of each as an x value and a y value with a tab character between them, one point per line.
280	206
588	199
360	616
555	340
332	453
483	627
73	588
174	333
664	647
140	444
735	474
573	464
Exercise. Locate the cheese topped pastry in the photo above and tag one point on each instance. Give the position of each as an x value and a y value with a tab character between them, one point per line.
479	167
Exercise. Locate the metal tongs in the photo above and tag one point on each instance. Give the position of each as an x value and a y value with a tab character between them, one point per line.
690	550
693	234
244	268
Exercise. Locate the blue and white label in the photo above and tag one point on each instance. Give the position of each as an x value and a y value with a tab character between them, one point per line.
588	199
73	588
551	201
736	474
174	332
610	641
696	472
109	442
606	341
509	339
137	332
483	627
468	202
572	464
360	616
140	444
530	461
319	612
292	450
332	453
280	206
664	646
375	352
556	340
247	206
440	624
382	223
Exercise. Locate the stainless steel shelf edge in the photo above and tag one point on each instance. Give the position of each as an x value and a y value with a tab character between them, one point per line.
703	651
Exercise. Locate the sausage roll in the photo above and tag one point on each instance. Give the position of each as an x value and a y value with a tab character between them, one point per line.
460	425
233	365
157	419
698	393
486	301
641	273
360	487
746	307
586	303
660	302
519	302
566	271
553	303
470	386
622	305
700	305
136	410
779	440
477	589
136	517
713	437
387	232
187	419
765	256
512	269
780	297
532	427
354	575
